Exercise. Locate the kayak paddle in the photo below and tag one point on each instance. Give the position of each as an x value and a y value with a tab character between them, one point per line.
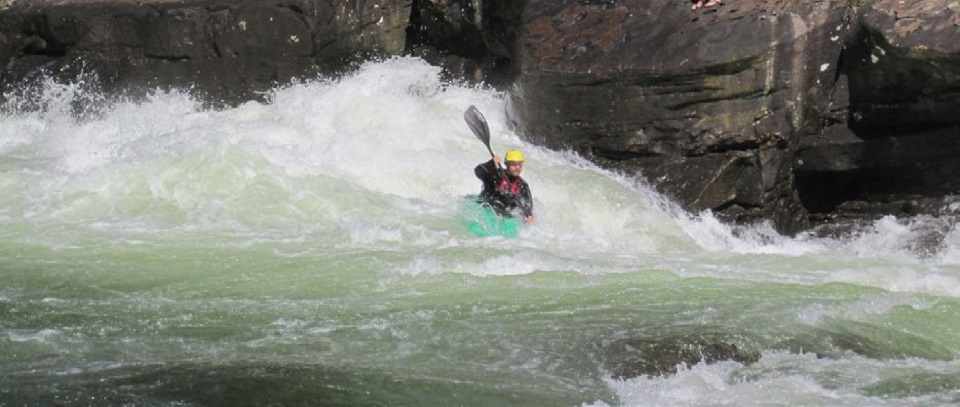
478	124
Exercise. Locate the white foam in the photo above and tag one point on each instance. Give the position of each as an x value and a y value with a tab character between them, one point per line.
378	160
860	310
779	378
43	335
714	235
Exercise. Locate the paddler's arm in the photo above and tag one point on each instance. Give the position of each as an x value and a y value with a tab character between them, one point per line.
526	203
489	172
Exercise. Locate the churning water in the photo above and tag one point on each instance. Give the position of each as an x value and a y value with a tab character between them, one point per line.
308	251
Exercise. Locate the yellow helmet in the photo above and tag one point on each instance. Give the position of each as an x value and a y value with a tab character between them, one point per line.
514	156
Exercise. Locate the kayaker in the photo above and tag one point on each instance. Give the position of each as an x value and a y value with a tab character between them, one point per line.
503	189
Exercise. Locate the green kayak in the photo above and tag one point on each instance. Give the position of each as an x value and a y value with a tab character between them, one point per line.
483	221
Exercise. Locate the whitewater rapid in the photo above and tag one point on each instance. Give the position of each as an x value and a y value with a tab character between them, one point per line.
322	225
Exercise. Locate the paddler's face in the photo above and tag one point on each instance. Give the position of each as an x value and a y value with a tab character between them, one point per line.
514	168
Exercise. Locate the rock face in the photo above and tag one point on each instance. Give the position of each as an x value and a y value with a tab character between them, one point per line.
704	106
755	110
227	50
472	39
891	138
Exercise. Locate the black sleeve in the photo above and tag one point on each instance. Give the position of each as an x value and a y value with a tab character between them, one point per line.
526	200
488	173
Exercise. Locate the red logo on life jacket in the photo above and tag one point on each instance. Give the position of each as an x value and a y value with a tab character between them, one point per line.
506	185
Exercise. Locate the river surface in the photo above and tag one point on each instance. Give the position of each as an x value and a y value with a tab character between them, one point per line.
309	251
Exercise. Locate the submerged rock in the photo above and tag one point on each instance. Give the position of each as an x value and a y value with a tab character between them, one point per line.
631	358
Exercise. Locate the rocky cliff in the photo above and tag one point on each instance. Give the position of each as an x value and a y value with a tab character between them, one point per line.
226	50
756	110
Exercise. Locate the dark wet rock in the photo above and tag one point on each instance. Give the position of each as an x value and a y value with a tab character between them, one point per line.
472	40
892	136
704	106
228	51
754	110
658	357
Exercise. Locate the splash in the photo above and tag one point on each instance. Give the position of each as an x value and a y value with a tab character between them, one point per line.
380	159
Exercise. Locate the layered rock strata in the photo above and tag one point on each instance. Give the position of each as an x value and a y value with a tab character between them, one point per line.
226	50
756	110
